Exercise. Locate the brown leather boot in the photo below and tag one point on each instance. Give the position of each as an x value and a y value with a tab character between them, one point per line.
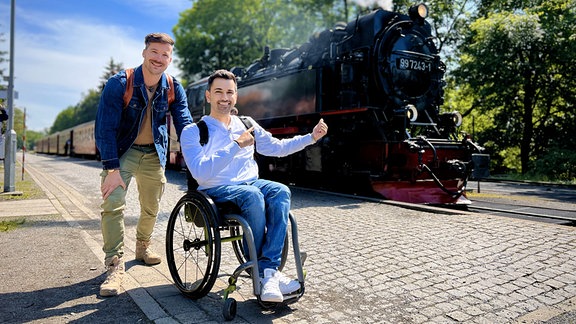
143	253
111	286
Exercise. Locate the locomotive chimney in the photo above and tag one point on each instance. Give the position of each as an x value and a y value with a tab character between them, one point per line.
266	56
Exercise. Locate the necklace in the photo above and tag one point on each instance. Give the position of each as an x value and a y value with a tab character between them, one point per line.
151	88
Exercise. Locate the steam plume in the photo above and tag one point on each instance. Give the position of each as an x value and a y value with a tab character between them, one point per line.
384	4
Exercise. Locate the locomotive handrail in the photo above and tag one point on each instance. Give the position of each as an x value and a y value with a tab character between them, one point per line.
434	153
453	194
423	167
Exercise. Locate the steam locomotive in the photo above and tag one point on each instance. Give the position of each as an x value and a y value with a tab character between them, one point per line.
378	83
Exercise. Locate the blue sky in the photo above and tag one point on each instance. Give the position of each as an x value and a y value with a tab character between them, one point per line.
63	46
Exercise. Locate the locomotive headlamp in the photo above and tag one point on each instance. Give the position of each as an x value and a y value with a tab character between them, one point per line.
452	119
457	118
418	12
409	111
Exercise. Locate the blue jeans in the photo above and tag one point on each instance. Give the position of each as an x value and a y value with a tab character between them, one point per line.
265	205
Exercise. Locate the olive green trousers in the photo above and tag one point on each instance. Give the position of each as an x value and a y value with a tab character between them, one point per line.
144	166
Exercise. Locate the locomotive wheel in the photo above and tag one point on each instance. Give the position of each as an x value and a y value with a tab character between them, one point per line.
193	245
241	256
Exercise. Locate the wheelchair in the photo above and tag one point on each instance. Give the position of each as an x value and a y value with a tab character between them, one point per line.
195	231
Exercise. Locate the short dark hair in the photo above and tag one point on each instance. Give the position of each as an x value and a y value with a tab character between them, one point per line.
222	74
158	38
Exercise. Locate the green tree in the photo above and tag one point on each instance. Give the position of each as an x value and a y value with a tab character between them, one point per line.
65	119
82	112
518	65
111	69
86	109
31	136
210	38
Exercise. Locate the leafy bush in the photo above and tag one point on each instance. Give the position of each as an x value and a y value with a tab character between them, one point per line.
558	164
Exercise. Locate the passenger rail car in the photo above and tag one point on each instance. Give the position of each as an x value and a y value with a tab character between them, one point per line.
378	83
75	141
79	141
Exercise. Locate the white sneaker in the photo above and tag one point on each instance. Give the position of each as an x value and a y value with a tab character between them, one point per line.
270	287
287	285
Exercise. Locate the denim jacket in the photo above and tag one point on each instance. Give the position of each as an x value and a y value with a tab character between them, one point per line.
117	127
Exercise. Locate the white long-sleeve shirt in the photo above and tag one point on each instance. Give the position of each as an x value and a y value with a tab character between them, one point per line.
221	161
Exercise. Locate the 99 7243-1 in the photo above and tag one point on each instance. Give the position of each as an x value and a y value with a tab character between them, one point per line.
413	64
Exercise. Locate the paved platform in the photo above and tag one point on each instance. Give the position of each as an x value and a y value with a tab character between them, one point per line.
28	207
367	263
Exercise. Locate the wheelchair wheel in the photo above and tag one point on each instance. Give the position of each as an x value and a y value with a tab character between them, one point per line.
193	245
229	310
239	250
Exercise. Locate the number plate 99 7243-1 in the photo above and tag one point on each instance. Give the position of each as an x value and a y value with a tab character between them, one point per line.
414	65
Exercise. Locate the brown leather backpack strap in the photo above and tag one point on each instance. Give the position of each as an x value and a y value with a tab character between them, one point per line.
129	87
171	95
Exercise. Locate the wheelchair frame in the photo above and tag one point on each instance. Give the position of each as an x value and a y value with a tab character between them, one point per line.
193	249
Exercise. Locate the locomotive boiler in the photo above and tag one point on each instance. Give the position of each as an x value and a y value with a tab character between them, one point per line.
378	83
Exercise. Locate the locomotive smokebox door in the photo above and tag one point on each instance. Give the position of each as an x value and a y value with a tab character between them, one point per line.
481	166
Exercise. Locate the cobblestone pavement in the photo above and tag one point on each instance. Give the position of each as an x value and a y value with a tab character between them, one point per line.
367	262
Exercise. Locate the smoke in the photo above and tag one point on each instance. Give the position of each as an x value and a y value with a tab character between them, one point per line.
384	4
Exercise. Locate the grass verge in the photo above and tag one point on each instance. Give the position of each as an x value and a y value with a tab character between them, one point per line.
9	225
27	186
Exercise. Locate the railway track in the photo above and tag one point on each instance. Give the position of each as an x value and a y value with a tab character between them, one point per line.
536	203
559	215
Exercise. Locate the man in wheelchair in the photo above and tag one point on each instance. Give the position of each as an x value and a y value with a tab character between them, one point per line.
225	169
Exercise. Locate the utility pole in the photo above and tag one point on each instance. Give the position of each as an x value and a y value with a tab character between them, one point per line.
10	143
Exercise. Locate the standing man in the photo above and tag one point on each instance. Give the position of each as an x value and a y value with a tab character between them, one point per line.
133	141
226	170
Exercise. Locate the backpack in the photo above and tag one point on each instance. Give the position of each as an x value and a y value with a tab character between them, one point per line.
204	135
130	87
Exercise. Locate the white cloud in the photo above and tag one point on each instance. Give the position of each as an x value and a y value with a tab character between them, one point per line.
65	63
